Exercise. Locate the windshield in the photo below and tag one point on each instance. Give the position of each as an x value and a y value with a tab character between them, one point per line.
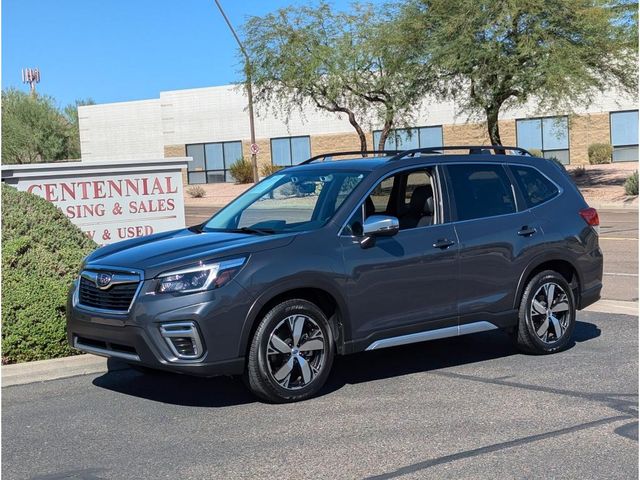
287	202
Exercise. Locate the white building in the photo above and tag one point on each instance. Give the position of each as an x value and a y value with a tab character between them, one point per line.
212	126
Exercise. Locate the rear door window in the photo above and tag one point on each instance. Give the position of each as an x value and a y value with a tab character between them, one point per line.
481	191
535	187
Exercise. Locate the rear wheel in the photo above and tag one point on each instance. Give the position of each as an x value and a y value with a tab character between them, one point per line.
547	314
291	353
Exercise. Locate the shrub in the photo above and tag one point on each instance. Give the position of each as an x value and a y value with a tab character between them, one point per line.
195	191
242	171
269	169
631	184
600	153
41	255
579	171
535	152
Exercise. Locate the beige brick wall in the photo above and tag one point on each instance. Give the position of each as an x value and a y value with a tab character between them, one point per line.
467	134
477	134
585	130
177	151
264	155
343	142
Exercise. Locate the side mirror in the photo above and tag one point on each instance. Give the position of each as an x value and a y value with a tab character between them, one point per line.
378	226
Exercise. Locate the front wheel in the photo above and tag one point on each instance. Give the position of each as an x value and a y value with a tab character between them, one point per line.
547	314
291	353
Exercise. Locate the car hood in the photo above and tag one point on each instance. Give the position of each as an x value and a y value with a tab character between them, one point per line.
160	252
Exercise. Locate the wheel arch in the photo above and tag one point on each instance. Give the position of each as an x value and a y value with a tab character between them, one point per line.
554	262
325	296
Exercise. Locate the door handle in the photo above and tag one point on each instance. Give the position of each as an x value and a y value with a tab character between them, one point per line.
526	231
443	243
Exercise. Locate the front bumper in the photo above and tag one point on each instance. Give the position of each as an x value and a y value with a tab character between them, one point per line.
137	336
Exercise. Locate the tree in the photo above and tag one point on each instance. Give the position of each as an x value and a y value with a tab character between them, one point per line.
342	62
71	114
35	130
496	54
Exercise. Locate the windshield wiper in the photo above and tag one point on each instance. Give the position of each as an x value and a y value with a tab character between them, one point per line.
258	231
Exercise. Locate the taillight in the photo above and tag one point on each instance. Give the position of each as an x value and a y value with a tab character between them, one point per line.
590	215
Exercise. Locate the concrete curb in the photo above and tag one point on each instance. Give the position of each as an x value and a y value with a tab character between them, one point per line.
613	205
42	370
614	306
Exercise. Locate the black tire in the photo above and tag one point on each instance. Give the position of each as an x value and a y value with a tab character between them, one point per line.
527	338
259	375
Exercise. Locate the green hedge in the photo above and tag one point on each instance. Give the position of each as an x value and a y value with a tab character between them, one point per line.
242	171
600	153
41	254
631	184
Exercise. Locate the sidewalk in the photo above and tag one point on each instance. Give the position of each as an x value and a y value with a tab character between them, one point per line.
43	370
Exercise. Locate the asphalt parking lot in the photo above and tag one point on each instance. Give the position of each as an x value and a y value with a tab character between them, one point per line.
470	407
464	408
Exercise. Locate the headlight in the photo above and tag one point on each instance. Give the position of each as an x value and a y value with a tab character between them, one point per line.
199	277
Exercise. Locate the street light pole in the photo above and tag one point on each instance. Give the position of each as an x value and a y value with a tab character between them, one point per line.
247	70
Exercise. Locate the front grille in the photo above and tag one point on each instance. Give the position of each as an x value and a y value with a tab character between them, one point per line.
117	297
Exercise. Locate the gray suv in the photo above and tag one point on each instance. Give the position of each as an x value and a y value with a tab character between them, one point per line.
334	257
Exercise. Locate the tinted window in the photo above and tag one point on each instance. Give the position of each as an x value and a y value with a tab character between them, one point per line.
481	191
624	136
211	161
290	151
549	135
406	138
535	187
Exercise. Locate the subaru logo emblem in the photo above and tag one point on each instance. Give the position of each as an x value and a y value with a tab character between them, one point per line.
103	280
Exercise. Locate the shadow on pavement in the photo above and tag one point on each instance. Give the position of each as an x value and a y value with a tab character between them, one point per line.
362	367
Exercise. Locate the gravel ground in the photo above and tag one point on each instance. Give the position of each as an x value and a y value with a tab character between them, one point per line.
605	183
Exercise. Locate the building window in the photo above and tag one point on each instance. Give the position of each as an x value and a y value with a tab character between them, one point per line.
211	161
549	135
624	136
408	138
290	150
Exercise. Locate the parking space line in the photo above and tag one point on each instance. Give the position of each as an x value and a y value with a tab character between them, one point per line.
621	274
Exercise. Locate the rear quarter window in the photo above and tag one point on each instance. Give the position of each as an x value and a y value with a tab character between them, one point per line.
535	187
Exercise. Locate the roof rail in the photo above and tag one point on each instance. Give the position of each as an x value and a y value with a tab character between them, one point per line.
324	156
473	150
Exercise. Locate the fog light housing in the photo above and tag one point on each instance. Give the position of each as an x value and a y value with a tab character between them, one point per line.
183	340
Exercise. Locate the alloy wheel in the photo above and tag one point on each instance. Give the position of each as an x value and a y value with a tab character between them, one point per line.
295	352
550	312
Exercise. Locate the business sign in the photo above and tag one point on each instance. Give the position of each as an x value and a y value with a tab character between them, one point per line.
109	201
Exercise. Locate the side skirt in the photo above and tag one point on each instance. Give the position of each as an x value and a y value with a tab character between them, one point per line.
446	332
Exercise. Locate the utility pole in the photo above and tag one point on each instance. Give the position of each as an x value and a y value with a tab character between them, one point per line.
31	76
247	70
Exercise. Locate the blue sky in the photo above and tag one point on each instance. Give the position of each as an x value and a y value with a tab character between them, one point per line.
118	50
